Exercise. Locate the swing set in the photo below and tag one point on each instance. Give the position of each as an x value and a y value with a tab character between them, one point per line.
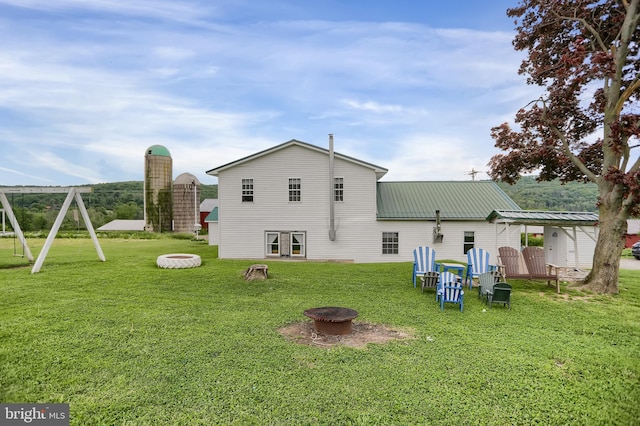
72	192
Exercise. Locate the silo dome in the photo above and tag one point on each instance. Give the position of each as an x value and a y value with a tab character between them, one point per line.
186	179
158	150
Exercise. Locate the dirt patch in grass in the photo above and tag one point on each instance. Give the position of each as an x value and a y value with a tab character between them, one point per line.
361	334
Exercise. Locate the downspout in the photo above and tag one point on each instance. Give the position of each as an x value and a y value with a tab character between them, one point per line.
332	220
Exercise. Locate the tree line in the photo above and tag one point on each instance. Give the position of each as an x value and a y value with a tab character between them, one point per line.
530	194
105	202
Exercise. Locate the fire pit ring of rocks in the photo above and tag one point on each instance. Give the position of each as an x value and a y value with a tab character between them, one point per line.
331	319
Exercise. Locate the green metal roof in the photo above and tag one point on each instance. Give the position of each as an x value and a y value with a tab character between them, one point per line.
468	200
158	150
534	217
212	216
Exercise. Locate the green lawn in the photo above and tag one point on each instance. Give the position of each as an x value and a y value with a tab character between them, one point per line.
124	342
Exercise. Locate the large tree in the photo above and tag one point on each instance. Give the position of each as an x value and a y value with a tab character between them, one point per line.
584	54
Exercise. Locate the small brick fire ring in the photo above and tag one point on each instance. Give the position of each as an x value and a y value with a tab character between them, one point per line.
331	319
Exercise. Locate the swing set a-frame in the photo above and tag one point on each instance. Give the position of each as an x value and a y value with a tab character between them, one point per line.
72	192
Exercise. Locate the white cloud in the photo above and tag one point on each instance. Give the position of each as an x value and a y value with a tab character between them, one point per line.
94	94
165	9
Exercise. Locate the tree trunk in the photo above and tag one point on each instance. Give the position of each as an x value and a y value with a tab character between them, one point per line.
603	278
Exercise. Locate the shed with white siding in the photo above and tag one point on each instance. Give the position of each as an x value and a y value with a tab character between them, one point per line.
569	237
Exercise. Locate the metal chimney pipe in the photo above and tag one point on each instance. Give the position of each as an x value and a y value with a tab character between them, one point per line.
332	220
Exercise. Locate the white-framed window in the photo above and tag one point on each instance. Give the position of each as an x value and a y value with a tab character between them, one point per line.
272	244
297	244
469	241
338	189
295	189
247	190
390	243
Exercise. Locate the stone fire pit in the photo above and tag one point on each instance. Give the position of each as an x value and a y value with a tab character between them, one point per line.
331	319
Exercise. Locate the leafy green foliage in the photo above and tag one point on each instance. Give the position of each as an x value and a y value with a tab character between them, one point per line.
531	241
124	342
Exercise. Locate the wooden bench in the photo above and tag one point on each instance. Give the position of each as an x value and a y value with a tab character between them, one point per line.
528	265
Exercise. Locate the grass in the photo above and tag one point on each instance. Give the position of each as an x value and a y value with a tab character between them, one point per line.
124	342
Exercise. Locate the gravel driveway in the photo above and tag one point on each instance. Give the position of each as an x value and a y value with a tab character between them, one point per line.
629	263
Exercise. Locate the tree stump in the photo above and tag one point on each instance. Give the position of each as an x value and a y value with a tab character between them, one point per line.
256	272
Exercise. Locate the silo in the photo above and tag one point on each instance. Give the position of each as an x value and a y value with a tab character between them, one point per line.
186	203
158	203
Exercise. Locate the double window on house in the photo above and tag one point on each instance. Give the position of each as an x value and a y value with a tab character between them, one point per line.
287	244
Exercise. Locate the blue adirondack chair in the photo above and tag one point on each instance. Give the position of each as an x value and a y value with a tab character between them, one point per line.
443	278
424	260
477	263
450	290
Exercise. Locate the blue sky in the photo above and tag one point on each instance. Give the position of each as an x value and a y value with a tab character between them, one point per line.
86	86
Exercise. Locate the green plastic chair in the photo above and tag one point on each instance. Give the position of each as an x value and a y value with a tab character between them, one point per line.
501	294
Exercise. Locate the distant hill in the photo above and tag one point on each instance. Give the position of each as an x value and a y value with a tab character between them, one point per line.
108	195
106	202
532	195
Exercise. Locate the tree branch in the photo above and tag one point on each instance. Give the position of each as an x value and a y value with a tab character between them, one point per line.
565	145
625	95
592	30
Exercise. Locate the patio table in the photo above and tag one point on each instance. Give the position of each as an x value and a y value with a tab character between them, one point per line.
456	268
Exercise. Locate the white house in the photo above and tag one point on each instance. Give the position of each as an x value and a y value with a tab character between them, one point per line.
297	200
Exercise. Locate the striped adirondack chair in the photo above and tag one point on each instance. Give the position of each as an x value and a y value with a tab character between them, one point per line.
424	260
450	290
477	263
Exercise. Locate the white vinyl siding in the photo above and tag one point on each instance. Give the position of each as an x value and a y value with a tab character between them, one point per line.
242	230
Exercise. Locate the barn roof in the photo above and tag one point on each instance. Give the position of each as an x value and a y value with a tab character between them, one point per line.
459	200
212	216
123	225
208	204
